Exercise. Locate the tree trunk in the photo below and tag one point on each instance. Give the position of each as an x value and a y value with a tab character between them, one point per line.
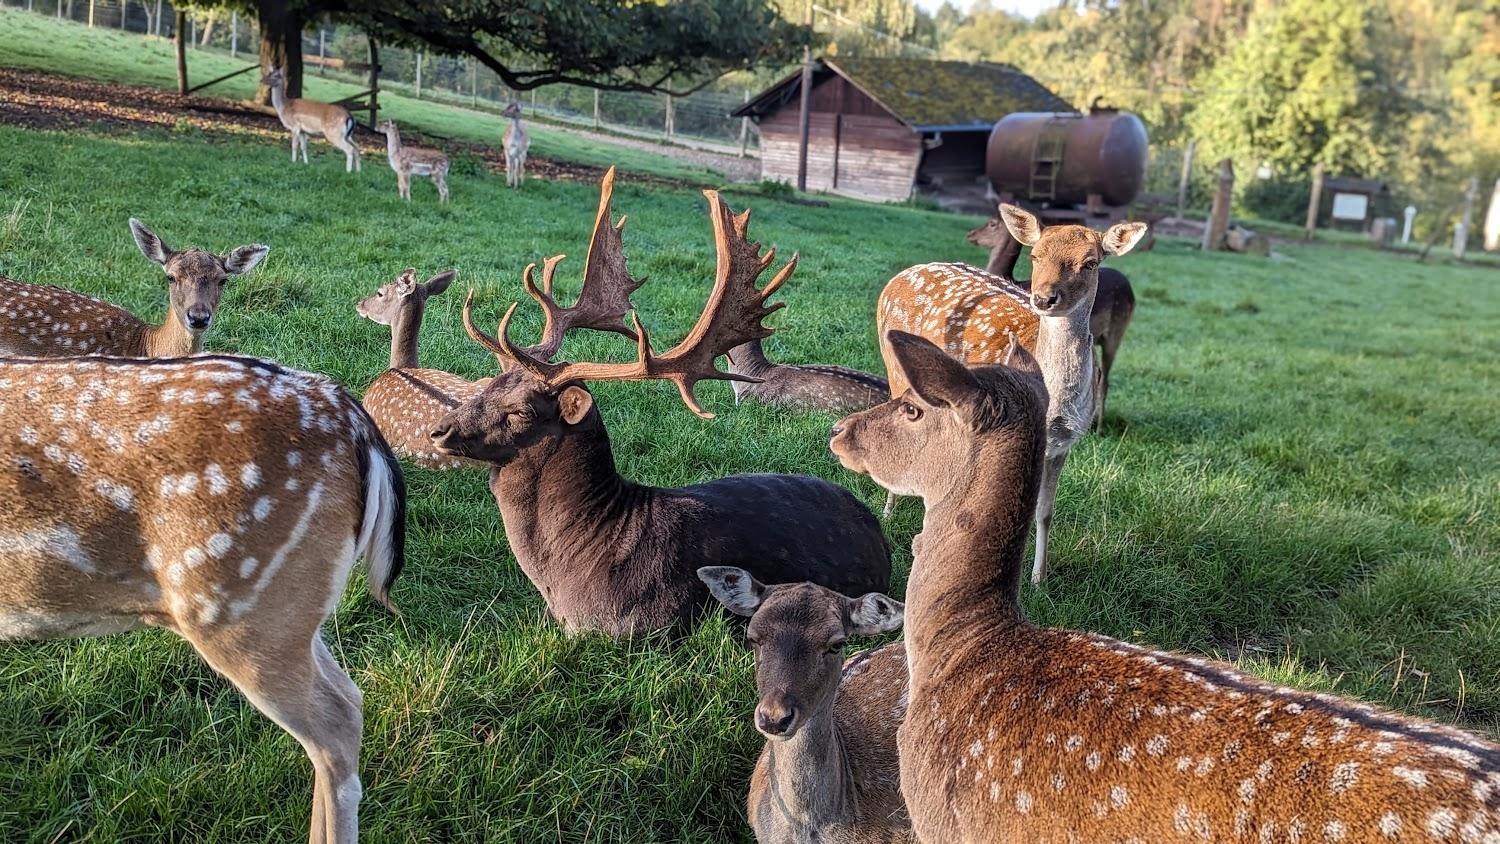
280	45
208	29
179	39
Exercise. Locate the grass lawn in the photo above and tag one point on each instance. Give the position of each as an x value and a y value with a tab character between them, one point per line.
1299	472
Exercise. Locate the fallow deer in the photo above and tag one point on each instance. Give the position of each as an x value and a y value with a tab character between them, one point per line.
516	142
1019	733
612	555
971	315
828	771
44	321
306	117
803	386
224	499
1114	300
410	161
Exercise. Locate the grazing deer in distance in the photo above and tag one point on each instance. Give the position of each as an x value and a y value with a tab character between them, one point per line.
410	161
43	321
972	315
1019	733
828	771
222	498
516	142
306	117
1114	300
804	386
612	555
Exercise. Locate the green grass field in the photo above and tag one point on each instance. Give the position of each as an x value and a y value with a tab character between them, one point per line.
1299	472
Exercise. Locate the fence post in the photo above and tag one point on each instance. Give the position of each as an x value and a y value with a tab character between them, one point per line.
322	51
124	7
671	130
1461	231
158	18
596	109
1314	202
91	14
745	128
234	34
1218	221
1187	174
419	74
1411	214
178	21
473	83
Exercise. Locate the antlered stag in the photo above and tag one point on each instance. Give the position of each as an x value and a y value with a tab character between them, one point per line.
43	321
613	555
1018	733
225	499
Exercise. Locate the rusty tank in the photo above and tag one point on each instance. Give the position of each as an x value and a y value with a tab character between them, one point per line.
1060	158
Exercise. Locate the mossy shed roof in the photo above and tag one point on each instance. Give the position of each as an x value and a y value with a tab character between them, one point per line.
925	95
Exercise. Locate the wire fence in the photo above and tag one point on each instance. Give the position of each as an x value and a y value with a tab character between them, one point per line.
700	120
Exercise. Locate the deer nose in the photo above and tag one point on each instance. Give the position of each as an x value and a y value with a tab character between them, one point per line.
1045	303
775	719
199	318
838	428
440	432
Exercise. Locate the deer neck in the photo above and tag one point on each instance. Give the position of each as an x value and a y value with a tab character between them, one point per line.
172	338
278	100
809	782
966	569
392	146
1065	353
748	359
404	332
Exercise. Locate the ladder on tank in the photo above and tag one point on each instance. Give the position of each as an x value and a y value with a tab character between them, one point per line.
1047	162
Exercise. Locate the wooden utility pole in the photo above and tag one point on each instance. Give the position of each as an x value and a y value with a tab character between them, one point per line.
1218	221
1314	202
474	83
804	120
179	22
1182	181
671	117
745	128
322	51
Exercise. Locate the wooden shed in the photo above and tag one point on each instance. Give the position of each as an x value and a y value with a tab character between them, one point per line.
883	128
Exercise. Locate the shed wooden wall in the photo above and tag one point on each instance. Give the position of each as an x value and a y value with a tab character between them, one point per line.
854	147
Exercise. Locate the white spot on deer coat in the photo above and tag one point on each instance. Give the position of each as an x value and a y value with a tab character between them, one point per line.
59	543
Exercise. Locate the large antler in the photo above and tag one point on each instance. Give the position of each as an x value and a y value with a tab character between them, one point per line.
734	314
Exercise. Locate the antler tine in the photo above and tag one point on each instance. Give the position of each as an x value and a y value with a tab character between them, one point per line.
500	345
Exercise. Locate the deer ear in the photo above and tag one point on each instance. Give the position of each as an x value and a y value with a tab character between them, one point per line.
1122	237
1023	225
875	613
243	259
735	588
438	283
940	380
150	245
573	403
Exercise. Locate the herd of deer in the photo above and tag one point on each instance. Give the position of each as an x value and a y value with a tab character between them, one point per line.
226	498
303	117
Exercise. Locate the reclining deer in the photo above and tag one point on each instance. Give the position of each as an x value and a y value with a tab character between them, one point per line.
972	316
828	770
43	321
1114	301
1019	733
224	499
612	555
802	386
305	117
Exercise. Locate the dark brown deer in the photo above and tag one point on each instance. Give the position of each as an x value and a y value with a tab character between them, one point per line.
803	386
39	320
1019	733
1114	300
828	771
616	556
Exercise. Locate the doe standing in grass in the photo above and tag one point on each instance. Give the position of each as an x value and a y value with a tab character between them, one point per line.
517	142
43	321
410	161
305	117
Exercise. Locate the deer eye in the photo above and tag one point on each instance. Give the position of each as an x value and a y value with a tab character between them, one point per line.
1090	266
836	646
911	411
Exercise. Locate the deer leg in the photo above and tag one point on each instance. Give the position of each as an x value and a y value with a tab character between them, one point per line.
442	186
1107	349
890	504
294	146
1051	471
312	698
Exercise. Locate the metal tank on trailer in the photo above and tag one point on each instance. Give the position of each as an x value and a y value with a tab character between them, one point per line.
1069	166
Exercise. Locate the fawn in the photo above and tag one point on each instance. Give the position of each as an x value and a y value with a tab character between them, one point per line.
828	771
803	386
44	321
612	555
410	161
222	498
305	117
1019	733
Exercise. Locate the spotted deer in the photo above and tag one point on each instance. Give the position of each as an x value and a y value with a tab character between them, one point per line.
410	161
1114	301
517	142
828	770
1020	733
307	117
803	386
612	555
972	315
44	321
224	499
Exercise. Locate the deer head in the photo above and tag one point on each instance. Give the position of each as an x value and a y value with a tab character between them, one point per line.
274	77
386	304
798	632
514	111
195	278
911	444
1065	259
990	234
537	400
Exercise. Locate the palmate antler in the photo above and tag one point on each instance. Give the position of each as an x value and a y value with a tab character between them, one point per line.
734	314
